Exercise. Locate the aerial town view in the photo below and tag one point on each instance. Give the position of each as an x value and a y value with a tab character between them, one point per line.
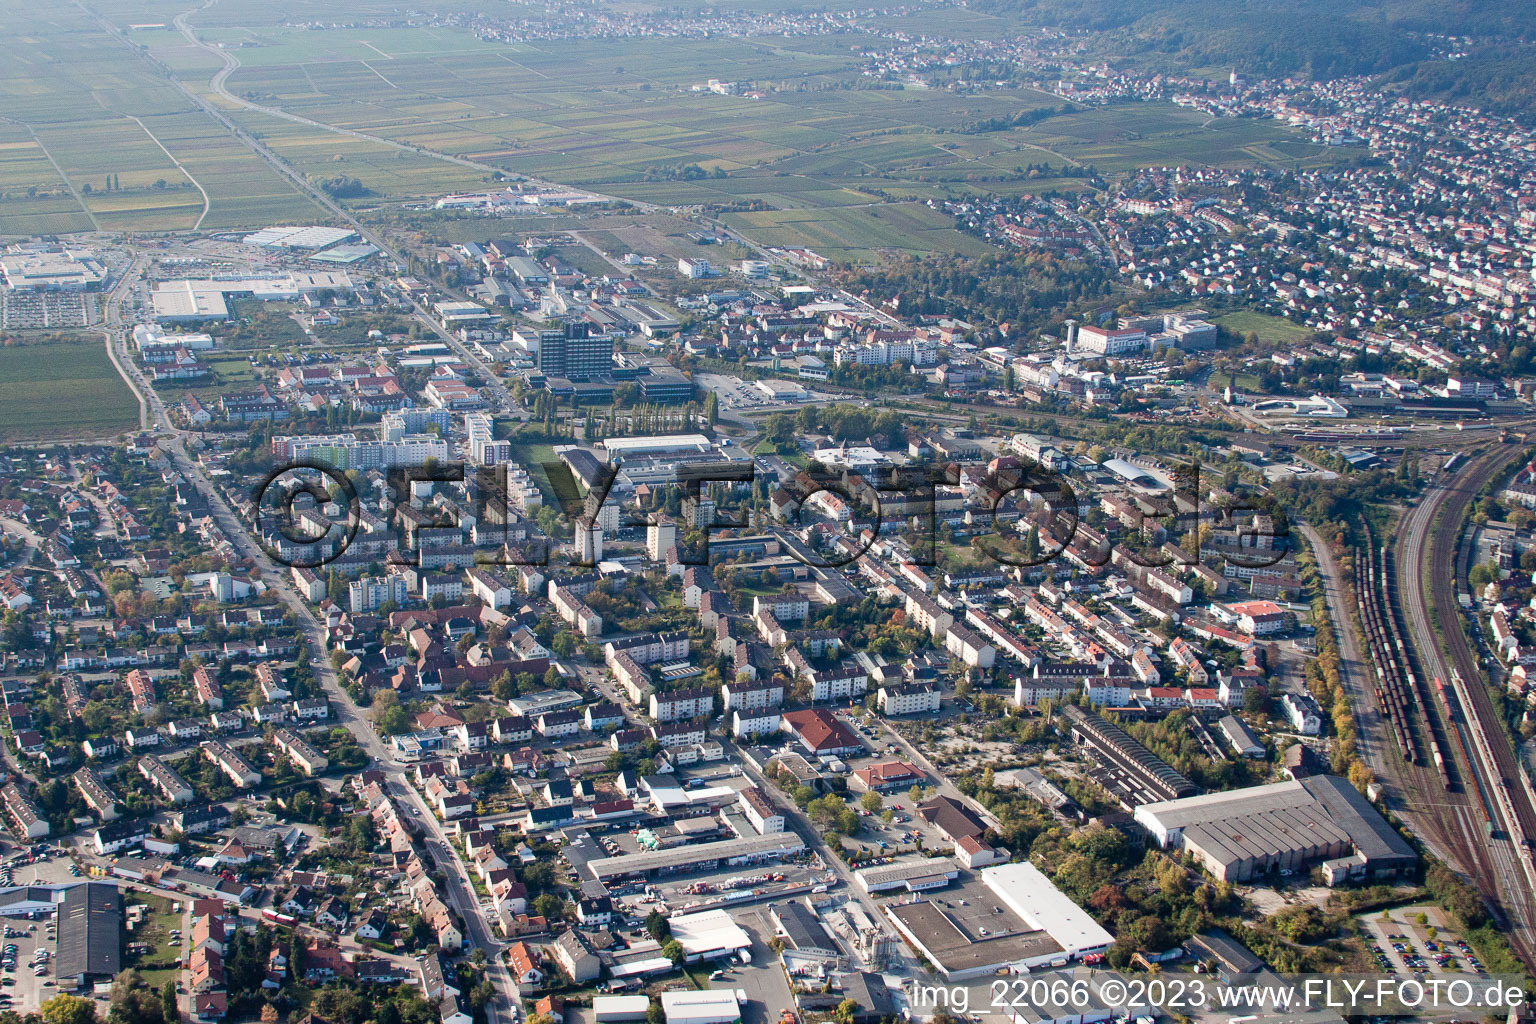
988	511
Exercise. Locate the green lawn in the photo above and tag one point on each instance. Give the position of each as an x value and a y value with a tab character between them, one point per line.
66	389
534	457
759	589
795	458
1274	329
161	961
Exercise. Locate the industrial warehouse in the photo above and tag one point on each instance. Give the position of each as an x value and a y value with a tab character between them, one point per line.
697	857
1286	827
1017	919
1126	768
89	920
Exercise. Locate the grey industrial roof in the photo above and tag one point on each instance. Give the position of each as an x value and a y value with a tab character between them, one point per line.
11	896
1237	732
90	929
902	871
1111	735
678	858
1235	957
1264	820
870	992
1266	834
802	927
1373	837
954	950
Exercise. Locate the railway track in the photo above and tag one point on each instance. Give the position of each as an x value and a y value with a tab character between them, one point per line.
1488	826
1395	684
1426	783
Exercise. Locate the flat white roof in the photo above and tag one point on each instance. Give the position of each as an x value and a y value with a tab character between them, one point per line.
602	1005
774	386
1031	895
179	300
709	1005
707	931
310	237
205	297
76	268
658	443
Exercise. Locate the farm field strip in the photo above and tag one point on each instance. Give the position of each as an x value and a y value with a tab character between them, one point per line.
65	389
615	116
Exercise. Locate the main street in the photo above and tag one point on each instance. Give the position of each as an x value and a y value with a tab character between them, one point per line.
1494	862
153	413
460	888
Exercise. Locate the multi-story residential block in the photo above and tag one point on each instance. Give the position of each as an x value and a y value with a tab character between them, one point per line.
231	763
308	760
681	705
164	778
751	695
760	811
915	698
96	794
763	722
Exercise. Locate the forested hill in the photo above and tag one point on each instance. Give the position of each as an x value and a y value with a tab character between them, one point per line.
1319	39
1500	80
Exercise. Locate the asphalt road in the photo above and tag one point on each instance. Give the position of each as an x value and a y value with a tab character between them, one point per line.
460	890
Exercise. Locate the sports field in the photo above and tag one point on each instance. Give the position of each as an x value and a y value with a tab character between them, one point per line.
63	389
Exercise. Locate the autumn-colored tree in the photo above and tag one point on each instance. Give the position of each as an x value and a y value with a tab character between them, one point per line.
67	1009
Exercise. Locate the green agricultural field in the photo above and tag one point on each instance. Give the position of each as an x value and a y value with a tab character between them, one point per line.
100	149
859	234
66	389
841	166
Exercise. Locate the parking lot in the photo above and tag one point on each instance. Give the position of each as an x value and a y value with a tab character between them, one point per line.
733	392
26	976
1413	940
904	833
763	980
23	311
50	866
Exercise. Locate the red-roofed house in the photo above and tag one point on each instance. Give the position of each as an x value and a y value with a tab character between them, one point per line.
1258	618
525	971
820	732
1203	697
886	776
972	853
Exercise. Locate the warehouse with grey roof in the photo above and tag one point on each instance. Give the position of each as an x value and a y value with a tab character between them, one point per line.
90	930
1127	768
1285	827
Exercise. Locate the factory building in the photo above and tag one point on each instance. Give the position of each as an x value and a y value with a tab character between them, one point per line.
1284	827
1018	921
1134	772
